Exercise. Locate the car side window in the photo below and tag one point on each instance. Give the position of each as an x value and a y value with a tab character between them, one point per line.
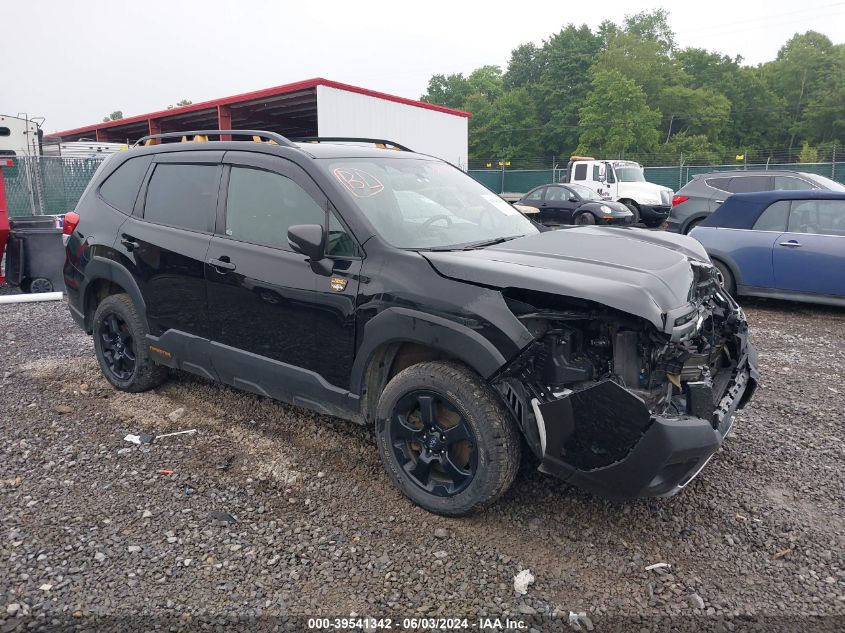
790	183
121	188
536	196
338	241
818	217
556	194
721	184
774	217
262	205
748	184
182	195
580	172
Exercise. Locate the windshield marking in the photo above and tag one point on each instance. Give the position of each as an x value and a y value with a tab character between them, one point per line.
359	182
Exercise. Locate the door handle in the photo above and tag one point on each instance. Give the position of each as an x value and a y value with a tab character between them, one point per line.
222	264
718	201
791	244
129	242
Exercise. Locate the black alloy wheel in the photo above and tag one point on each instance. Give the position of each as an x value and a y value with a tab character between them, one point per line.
585	219
433	443
118	346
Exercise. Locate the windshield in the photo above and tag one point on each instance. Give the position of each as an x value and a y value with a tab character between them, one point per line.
827	183
585	192
427	204
629	174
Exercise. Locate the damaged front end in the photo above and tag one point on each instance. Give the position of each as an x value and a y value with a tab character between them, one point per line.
613	404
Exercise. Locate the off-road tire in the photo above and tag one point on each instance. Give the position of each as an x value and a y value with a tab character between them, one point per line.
146	374
498	443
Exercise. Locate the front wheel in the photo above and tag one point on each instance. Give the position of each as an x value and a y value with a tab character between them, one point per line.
585	219
728	282
119	343
445	439
635	210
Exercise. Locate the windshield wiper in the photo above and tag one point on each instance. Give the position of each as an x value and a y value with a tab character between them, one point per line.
490	242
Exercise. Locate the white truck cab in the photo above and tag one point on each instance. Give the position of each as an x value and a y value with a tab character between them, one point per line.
622	181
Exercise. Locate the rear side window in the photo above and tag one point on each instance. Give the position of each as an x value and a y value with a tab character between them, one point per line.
262	205
580	172
121	188
182	195
774	217
748	184
790	183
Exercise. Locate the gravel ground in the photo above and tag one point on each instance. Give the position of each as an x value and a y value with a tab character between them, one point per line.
93	535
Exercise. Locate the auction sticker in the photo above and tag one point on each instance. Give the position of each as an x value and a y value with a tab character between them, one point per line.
359	182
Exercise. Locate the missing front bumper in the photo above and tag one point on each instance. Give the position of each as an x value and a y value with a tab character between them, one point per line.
604	439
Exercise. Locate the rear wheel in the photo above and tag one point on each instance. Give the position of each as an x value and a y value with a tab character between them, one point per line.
585	219
692	225
119	343
727	277
445	438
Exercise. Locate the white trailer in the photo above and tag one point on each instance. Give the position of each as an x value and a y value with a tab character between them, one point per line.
19	136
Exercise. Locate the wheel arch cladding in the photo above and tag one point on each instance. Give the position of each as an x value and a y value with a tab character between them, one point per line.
103	273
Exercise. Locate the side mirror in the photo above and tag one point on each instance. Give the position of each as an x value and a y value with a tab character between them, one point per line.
308	239
573	198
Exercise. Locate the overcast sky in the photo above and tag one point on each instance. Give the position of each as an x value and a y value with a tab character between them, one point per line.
74	61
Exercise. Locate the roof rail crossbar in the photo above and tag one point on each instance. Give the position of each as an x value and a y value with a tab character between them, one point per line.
277	138
353	139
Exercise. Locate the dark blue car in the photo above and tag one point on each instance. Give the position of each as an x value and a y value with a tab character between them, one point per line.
780	244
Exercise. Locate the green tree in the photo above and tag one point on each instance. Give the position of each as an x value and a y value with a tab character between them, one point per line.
808	154
487	81
651	26
565	59
525	66
450	91
114	116
616	117
694	110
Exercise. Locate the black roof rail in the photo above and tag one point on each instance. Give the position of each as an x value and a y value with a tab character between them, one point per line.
271	136
352	139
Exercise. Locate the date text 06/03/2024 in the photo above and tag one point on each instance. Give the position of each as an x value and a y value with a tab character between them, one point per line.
414	624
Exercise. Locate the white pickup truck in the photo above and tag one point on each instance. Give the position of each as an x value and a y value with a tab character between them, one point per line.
622	181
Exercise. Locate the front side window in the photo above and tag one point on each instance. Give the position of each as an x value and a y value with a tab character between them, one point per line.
182	195
558	194
818	217
261	206
790	183
774	217
121	188
426	204
585	193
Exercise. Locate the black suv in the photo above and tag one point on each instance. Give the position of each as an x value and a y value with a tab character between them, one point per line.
362	280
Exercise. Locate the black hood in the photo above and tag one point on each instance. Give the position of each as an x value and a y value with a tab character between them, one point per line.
646	273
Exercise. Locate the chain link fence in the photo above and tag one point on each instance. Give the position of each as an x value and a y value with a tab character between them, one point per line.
508	180
46	185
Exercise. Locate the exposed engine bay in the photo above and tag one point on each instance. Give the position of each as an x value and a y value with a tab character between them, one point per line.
609	373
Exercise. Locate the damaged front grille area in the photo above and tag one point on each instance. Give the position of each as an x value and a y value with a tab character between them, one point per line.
603	374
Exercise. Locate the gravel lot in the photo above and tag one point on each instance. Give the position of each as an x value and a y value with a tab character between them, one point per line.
92	535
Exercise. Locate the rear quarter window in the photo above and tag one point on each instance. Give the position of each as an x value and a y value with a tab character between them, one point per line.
580	172
774	217
718	183
121	188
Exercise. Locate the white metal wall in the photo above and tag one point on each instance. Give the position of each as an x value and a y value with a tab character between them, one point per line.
344	113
